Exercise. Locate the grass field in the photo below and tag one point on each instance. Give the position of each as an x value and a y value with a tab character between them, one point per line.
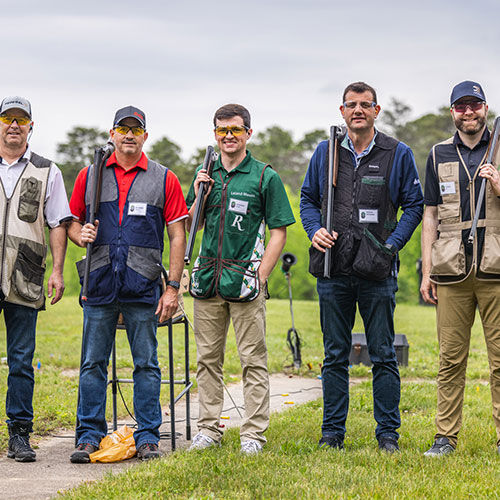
291	466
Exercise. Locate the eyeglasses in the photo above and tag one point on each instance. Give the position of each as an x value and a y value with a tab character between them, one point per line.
123	129
21	120
235	130
473	106
363	104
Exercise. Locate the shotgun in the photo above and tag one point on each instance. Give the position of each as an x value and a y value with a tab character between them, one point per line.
100	157
490	156
208	165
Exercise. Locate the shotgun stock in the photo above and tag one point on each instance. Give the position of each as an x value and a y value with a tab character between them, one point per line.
208	165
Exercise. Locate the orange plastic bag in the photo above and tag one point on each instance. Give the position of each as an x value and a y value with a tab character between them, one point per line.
116	447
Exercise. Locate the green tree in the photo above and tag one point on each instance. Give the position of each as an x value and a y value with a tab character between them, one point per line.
168	153
78	152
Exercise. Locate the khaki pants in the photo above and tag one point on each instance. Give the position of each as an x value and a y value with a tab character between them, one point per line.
211	323
455	315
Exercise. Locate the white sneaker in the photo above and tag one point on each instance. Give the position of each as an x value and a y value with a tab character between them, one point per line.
202	441
251	447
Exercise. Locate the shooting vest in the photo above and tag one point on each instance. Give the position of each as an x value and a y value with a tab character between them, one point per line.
126	257
22	236
363	214
452	258
234	234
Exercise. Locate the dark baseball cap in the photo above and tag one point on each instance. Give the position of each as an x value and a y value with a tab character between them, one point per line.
130	112
16	102
466	89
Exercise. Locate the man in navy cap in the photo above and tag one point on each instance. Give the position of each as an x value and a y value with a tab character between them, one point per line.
138	198
458	276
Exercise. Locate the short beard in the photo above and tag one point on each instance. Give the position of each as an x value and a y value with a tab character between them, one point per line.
468	131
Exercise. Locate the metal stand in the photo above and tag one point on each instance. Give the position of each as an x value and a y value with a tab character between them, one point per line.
292	336
170	381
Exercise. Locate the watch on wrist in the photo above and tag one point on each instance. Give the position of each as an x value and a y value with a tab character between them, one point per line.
174	284
391	248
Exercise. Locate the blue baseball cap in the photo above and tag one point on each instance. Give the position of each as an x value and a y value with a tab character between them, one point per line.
466	89
130	112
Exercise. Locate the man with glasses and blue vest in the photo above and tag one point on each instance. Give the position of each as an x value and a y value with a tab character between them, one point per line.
138	198
32	196
376	176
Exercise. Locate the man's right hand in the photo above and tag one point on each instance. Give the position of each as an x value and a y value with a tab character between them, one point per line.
322	239
203	177
428	289
88	233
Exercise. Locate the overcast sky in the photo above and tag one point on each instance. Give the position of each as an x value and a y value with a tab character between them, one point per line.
287	61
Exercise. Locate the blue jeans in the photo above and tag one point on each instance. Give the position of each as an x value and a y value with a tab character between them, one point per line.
99	327
20	323
376	302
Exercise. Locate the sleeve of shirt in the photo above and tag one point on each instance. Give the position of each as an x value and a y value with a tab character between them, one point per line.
432	196
77	202
278	212
56	208
175	206
312	191
406	192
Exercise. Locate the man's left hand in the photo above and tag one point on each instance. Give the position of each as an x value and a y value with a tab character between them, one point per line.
167	305
488	171
55	283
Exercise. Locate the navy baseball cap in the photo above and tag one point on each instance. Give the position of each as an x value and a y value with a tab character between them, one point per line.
130	112
16	102
466	89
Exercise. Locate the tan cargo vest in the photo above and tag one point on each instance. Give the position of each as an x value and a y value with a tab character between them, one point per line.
22	236
448	258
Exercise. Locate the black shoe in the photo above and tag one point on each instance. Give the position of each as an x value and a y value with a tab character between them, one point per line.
82	452
388	444
441	446
148	451
19	443
331	442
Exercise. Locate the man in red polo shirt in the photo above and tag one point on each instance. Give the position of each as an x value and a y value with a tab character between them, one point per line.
138	198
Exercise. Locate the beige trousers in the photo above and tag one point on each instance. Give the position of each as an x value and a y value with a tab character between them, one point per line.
455	315
211	323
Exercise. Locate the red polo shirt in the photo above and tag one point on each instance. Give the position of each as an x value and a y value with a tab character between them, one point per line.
175	206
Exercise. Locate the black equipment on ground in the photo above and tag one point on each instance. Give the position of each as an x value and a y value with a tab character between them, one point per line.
333	166
208	165
292	337
100	157
359	350
490	156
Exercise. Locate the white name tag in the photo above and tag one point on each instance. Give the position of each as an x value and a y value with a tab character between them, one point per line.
447	187
238	206
368	215
137	209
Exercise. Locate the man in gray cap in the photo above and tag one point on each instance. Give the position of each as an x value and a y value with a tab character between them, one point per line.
33	196
458	276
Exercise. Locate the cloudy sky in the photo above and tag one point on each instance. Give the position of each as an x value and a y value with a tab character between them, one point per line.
287	61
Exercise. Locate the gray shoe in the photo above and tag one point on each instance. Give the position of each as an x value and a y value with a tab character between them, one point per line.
441	447
202	441
251	447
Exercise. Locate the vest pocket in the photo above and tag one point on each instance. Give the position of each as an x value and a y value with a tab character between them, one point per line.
29	200
373	260
317	262
27	274
370	191
145	261
490	261
449	209
448	256
201	284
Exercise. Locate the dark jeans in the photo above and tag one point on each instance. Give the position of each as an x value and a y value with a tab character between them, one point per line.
99	327
20	323
376	302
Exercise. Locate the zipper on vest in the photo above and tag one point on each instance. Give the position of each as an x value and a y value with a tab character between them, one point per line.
221	229
4	242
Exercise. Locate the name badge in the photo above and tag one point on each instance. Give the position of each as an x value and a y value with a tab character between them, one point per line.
238	206
137	209
368	215
447	187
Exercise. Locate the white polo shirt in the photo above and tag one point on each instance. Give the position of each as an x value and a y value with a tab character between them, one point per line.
56	207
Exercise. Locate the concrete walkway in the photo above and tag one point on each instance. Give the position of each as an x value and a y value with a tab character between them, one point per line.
53	471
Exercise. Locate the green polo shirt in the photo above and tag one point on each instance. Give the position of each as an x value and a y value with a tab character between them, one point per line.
239	206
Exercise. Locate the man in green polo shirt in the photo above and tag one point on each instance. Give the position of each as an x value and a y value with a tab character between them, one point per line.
229	276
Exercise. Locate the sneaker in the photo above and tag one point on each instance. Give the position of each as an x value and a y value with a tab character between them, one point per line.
388	444
148	451
331	442
251	447
19	444
82	452
202	441
441	446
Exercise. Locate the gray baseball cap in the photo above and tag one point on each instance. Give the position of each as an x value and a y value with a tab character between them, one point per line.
16	102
